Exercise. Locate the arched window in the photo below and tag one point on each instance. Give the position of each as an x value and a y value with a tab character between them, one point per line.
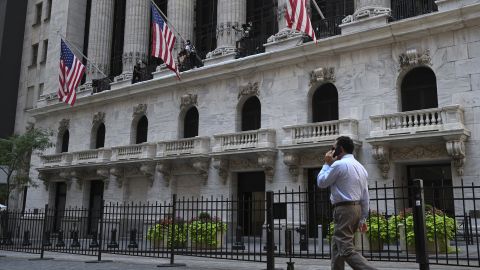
142	130
190	123
419	90
100	136
325	103
251	114
65	140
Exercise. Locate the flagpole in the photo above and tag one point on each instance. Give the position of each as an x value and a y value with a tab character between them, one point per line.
318	10
80	52
166	19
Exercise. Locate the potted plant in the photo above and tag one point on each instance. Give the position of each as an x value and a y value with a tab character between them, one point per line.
160	234
440	229
206	232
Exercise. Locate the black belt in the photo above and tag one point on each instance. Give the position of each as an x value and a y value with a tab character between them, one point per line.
346	203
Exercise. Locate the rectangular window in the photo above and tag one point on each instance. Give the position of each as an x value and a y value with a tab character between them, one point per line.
38	14
49	10
30	95
34	54
44	52
40	91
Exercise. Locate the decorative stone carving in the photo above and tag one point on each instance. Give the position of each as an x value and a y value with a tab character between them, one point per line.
267	162
202	166
220	52
166	170
413	58
381	154
188	100
292	160
98	118
456	150
367	12
64	125
322	75
221	165
103	173
148	170
251	89
139	110
118	174
76	176
418	152
64	174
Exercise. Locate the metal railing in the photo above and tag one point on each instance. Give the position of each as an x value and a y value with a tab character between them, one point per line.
403	9
288	223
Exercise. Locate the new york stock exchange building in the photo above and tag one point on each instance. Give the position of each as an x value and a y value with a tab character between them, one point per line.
260	104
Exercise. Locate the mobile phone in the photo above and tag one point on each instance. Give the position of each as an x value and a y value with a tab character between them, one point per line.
335	152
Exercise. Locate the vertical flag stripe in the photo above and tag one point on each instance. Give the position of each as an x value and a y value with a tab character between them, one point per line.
297	18
71	71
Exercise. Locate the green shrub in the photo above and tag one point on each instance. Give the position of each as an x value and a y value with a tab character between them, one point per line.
203	231
163	229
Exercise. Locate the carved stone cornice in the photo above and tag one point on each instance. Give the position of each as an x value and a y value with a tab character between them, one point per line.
118	173
412	58
292	160
139	110
322	75
76	176
148	170
267	162
202	166
381	154
456	150
188	100
165	169
428	151
98	118
251	89
221	165
63	125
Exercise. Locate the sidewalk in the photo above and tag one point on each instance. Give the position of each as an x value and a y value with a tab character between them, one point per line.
20	261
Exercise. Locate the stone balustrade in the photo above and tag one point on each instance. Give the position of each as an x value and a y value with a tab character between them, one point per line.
136	151
57	160
91	156
445	119
189	146
320	132
262	138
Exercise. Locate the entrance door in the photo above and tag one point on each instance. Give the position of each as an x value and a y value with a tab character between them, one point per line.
60	200
437	182
319	208
95	205
251	198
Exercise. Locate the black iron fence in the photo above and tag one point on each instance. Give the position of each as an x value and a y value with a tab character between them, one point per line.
260	226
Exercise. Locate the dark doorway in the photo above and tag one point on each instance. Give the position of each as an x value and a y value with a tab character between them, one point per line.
419	90
117	38
206	27
60	201
100	139
95	205
142	130
190	124
65	141
319	206
251	198
251	114
325	103
437	182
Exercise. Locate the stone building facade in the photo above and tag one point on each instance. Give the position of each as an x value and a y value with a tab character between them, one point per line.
407	91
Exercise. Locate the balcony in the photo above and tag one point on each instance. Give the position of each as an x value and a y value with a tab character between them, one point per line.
245	141
428	123
403	9
133	152
183	148
57	160
95	156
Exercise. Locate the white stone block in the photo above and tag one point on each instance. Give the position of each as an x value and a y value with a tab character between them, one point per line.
467	67
458	52
474	49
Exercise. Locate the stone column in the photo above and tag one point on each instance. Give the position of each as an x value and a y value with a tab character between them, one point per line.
137	29
100	38
368	14
181	14
286	37
230	13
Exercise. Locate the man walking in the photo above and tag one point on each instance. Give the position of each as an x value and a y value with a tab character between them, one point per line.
347	179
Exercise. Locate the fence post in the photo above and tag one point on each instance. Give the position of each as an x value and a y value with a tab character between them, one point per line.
270	232
419	225
44	230
172	242
100	235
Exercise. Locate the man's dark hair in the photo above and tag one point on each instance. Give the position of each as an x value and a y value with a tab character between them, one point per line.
346	143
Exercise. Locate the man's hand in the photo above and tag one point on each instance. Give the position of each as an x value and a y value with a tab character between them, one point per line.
363	227
329	159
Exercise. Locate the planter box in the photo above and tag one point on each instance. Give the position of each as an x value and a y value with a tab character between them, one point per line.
439	247
363	242
220	237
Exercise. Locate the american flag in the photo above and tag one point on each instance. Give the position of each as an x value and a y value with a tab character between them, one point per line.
163	40
298	19
71	73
